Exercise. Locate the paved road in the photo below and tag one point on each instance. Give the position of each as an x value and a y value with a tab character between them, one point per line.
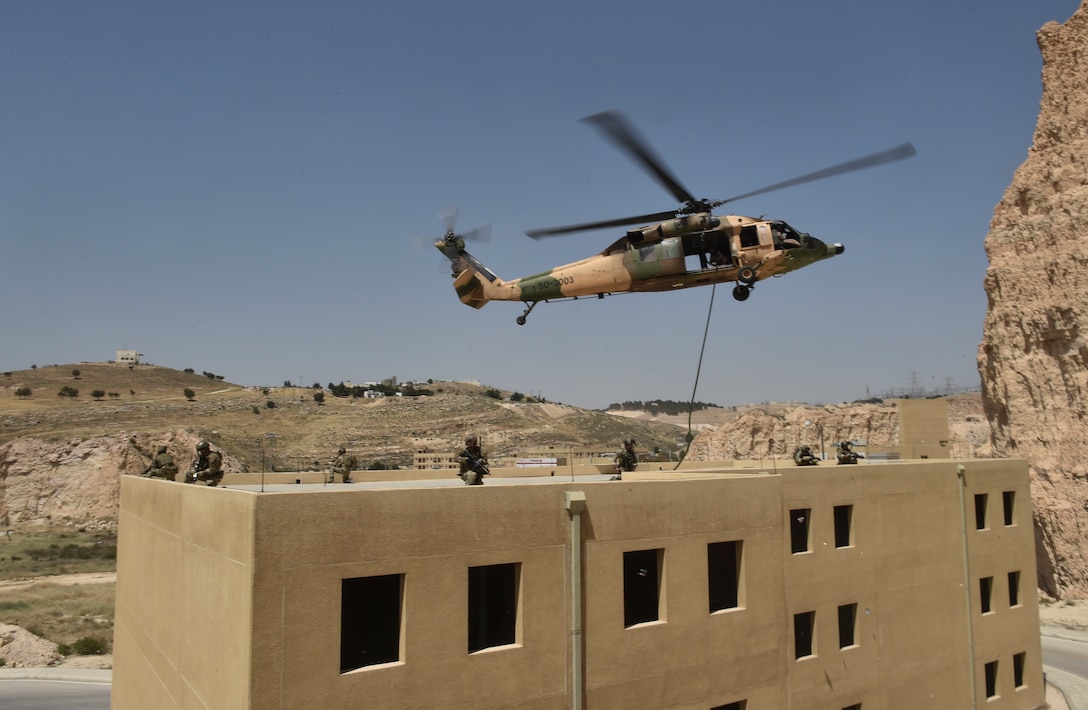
53	695
1065	660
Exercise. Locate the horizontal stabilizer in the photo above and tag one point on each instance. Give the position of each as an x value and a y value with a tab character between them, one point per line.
469	289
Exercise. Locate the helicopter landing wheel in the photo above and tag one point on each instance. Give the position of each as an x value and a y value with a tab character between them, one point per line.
746	275
741	292
523	316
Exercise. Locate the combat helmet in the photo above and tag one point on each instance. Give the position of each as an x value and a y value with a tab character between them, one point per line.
203	446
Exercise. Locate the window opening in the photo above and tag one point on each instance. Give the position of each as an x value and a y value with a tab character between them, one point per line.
991	679
739	705
980	511
848	617
1014	588
492	605
1008	498
799	523
804	628
1018	660
844	533
641	586
985	592
370	620
723	562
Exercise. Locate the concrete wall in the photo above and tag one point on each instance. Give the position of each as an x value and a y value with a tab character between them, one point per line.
273	564
182	629
923	428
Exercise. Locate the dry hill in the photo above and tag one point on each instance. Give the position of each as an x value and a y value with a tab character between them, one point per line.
61	457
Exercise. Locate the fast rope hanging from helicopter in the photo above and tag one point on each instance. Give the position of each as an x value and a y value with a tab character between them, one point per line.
698	368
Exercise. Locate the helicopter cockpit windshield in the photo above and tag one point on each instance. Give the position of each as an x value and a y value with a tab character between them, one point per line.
785	236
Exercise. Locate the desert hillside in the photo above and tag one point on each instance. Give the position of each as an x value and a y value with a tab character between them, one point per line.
61	457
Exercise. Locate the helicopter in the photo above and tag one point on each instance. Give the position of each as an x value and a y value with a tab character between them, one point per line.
680	248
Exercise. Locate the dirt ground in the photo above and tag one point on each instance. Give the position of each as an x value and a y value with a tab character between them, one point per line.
60	579
1067	615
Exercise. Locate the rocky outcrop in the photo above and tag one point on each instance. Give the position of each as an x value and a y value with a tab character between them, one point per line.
1033	359
775	431
78	483
21	649
760	434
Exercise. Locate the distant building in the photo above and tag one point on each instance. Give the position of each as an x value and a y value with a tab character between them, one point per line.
128	357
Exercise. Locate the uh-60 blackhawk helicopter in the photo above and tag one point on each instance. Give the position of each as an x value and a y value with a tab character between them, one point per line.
691	247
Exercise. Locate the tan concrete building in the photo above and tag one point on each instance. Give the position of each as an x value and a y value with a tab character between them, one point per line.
878	587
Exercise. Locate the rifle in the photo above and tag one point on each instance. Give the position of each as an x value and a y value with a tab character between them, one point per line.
477	463
194	468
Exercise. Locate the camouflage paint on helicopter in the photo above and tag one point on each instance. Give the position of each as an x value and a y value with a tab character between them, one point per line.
689	251
691	247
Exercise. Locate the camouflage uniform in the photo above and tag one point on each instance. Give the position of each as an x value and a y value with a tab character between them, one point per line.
804	457
162	466
847	455
209	465
473	463
343	464
626	459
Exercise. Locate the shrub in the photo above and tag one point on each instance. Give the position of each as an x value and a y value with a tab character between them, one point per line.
189	394
23	392
98	394
90	646
270	404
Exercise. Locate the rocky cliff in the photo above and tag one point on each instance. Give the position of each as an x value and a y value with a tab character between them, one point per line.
1033	358
78	483
774	432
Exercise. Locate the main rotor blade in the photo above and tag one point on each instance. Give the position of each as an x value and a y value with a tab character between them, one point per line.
622	133
900	152
640	219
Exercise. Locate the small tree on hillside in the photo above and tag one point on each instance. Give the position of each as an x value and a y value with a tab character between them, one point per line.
98	394
69	392
75	374
189	394
23	392
114	395
319	397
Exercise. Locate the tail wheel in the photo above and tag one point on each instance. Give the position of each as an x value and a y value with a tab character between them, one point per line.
746	275
741	292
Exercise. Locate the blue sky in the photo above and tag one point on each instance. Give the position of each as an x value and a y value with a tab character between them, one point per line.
237	187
